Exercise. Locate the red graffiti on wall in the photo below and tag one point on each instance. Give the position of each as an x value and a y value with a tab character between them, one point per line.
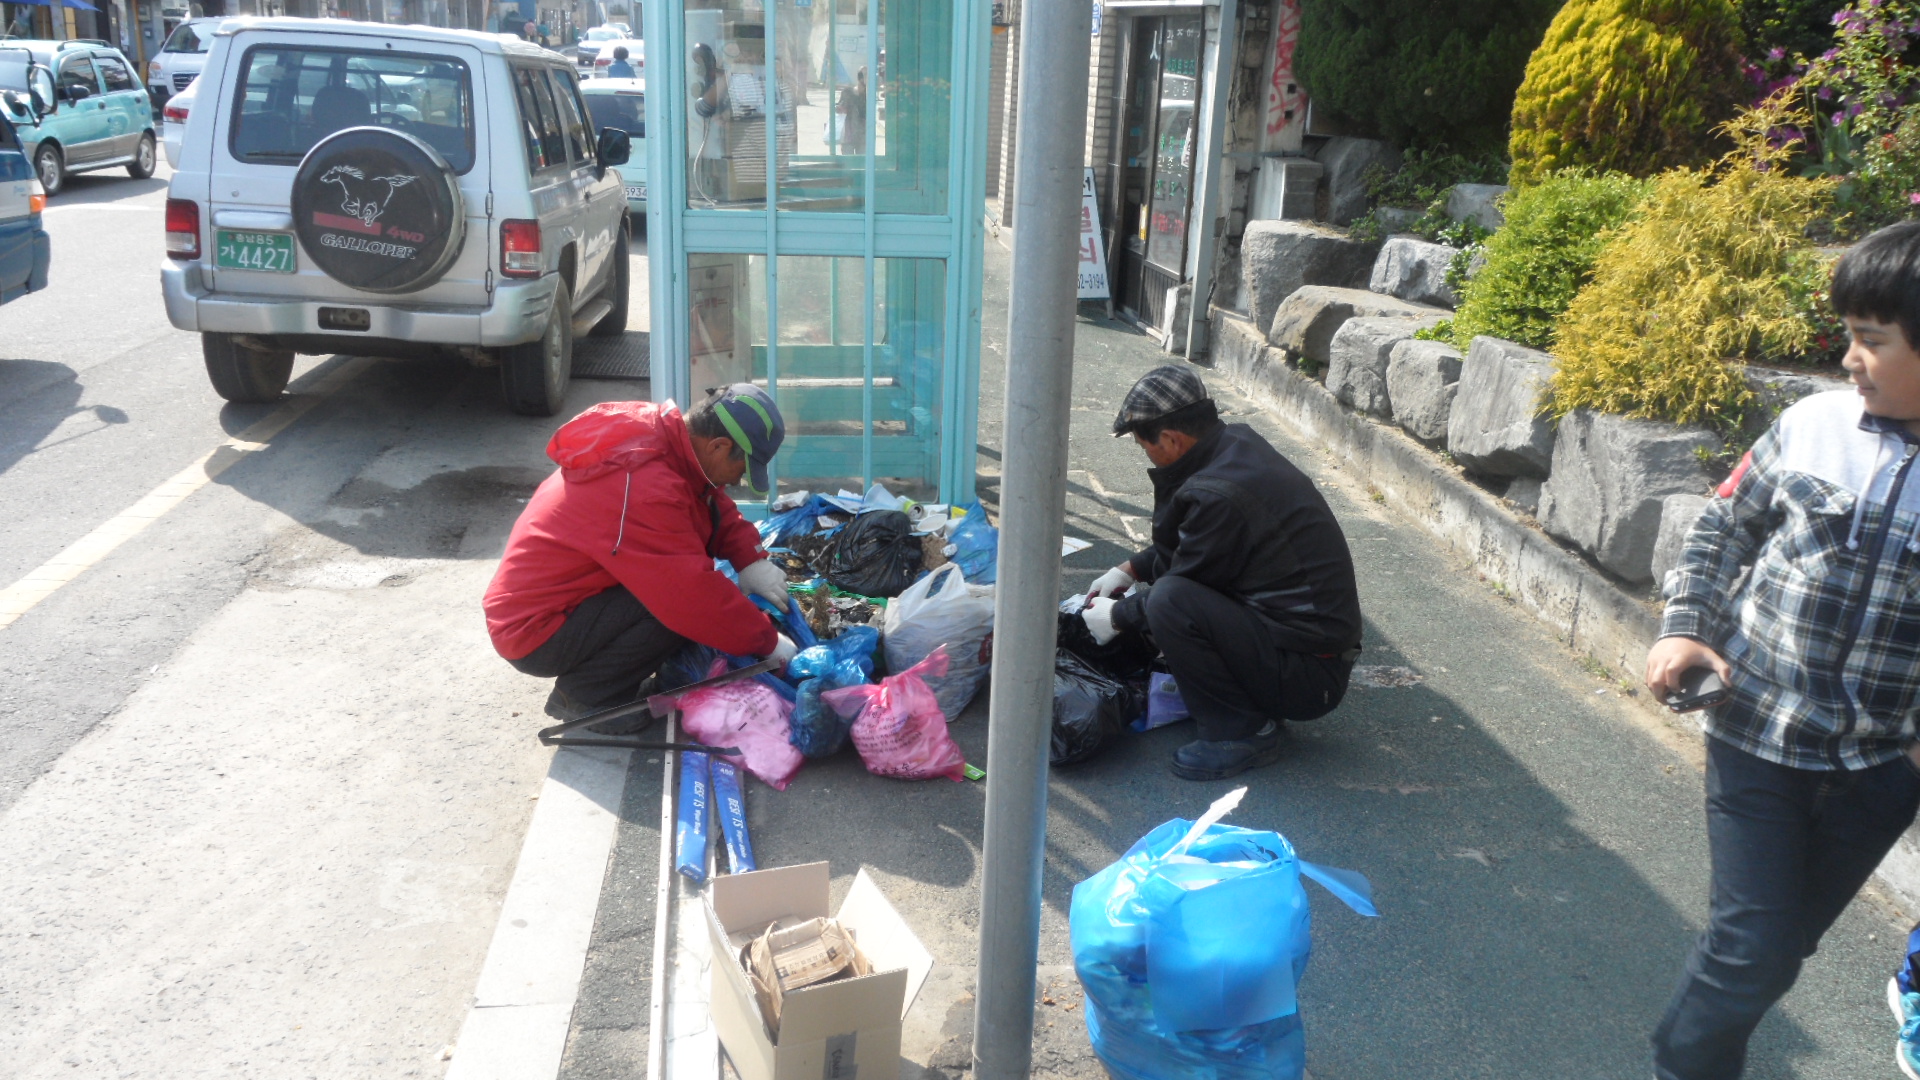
1285	97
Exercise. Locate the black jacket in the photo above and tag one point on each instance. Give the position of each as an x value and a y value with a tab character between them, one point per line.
1237	517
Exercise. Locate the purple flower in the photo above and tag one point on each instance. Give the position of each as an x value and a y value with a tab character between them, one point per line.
1776	53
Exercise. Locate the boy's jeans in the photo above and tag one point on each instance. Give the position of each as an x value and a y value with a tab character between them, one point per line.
1790	849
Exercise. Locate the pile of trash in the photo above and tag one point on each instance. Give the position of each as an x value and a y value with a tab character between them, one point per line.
891	605
1098	690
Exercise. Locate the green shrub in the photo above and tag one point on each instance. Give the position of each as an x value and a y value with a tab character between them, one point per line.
1420	72
1542	256
1426	173
1715	266
1787	28
1633	86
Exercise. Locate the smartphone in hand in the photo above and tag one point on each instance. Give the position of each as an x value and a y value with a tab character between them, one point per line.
1700	687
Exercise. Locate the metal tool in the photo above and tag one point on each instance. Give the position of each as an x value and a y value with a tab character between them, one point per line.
656	705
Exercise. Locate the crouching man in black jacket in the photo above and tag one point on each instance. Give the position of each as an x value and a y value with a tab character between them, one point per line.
1248	589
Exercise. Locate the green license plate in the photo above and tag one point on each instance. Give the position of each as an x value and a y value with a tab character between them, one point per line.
269	251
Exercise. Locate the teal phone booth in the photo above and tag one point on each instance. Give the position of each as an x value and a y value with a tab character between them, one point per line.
815	226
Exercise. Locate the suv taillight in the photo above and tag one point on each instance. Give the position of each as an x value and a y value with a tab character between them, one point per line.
520	248
183	229
175	113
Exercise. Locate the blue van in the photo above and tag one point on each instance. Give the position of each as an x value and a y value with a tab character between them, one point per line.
78	108
24	249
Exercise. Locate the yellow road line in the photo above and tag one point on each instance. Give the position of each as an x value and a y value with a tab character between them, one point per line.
44	580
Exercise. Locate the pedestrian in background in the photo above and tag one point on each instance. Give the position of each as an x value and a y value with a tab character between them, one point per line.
619	69
1793	587
852	108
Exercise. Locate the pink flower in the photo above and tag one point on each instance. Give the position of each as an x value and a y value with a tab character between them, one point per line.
1914	197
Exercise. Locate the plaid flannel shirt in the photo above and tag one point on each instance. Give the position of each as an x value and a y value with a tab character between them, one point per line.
1823	629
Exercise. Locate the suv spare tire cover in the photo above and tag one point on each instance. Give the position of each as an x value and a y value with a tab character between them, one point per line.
378	210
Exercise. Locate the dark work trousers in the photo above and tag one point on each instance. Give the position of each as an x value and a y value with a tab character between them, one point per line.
1232	676
1790	848
607	646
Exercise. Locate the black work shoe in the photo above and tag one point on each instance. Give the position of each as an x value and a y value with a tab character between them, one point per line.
1202	760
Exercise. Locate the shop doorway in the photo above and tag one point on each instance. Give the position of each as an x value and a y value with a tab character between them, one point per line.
1157	143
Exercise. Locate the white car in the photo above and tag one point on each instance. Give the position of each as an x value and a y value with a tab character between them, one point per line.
402	191
588	47
180	59
173	121
636	56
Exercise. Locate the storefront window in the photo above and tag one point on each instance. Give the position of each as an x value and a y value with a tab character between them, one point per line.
1166	224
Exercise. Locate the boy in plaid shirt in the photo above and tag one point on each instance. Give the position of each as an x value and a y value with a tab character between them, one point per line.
1812	772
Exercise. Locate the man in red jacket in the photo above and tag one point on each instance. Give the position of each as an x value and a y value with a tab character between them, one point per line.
610	570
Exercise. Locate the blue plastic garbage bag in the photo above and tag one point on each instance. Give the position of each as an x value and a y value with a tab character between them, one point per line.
695	663
778	530
976	546
816	729
791	621
855	645
1190	965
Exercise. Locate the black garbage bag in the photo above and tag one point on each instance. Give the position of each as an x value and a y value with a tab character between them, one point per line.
1089	709
875	554
1127	657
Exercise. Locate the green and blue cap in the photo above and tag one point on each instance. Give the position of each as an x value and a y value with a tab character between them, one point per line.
753	422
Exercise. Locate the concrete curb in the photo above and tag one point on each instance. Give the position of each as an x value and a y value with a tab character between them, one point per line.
1587	611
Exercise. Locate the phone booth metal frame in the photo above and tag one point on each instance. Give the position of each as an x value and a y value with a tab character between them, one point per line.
856	298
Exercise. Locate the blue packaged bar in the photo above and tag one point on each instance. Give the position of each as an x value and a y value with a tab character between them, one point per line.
731	804
690	831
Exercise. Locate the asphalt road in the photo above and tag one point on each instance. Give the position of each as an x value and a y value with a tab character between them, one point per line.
263	781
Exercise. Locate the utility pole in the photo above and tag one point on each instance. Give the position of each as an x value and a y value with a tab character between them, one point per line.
1054	46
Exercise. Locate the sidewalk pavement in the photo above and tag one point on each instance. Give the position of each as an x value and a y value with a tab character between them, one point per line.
1534	838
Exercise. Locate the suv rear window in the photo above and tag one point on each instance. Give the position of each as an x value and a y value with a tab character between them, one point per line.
291	97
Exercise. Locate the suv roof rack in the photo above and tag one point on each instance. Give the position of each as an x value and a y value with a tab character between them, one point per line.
76	42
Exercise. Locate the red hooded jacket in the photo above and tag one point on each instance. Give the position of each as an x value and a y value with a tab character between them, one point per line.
629	506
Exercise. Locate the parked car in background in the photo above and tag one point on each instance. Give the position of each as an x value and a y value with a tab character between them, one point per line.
587	49
78	108
403	191
636	56
173	121
622	103
180	59
25	251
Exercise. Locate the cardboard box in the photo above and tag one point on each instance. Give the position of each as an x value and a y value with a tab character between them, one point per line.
832	1031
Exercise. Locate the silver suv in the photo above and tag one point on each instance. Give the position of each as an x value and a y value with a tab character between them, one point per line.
393	191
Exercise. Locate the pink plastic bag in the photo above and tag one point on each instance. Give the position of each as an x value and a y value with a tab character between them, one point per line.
898	727
750	717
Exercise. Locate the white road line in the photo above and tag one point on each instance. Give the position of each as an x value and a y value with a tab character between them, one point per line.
523	1006
46	579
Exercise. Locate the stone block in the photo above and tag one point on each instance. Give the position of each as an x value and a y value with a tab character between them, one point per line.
1357	359
1346	160
1677	515
1478	203
1306	321
1775	390
1495	427
1523	492
1396	219
1422	377
1610	476
1414	270
1277	257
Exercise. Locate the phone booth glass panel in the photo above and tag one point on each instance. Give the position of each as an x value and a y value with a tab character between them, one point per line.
856	302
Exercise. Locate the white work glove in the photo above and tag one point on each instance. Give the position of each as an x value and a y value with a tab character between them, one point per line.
783	650
763	579
1099	620
1112	583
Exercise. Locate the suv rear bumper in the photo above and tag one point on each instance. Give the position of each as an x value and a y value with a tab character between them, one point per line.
517	314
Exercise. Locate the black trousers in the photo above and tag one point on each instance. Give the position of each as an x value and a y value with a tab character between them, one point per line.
1232	675
1790	849
605	649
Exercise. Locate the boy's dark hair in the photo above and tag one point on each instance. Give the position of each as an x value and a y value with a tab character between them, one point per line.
1880	279
619	52
704	420
1198	420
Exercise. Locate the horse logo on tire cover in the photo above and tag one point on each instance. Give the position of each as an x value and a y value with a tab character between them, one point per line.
360	200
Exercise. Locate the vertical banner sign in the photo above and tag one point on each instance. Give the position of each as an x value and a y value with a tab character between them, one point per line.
1093	254
1098	13
1286	99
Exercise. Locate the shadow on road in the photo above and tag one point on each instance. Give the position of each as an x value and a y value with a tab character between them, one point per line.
44	396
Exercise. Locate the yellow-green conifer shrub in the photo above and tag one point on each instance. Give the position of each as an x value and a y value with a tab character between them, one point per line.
1632	86
1713	268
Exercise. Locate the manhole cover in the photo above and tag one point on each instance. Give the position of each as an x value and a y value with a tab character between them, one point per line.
623	357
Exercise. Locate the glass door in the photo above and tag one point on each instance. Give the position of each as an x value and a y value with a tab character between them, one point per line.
820	229
1157	138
